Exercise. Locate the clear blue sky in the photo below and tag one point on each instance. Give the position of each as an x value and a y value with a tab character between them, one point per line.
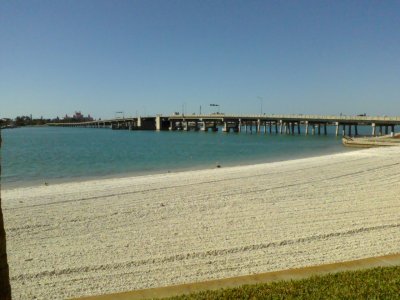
148	57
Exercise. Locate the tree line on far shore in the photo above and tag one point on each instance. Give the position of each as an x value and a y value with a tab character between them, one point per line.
29	121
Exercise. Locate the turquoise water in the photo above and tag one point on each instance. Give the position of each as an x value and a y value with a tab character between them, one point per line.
36	155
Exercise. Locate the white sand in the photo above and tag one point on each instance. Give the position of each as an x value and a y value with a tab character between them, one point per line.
96	237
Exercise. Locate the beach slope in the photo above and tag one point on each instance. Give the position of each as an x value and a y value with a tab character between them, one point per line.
111	235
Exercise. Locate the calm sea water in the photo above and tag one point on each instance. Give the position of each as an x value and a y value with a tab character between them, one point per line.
37	155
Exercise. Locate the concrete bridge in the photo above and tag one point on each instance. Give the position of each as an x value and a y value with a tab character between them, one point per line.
273	124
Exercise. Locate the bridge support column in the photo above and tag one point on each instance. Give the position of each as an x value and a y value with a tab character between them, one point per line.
380	129
337	128
158	123
258	126
306	133
225	128
240	126
207	126
319	129
280	127
344	130
313	129
298	128
229	125
392	131
293	127
386	129
325	131
373	129
355	130
349	130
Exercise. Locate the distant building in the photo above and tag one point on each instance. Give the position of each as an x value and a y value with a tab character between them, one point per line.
78	117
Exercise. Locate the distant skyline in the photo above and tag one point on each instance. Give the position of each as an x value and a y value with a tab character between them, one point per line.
148	57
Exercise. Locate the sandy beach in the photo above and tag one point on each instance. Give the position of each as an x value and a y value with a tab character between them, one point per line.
112	235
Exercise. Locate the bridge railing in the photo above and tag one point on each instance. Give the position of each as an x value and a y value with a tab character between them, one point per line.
291	116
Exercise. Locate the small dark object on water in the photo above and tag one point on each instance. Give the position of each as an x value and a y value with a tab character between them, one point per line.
218	166
46	184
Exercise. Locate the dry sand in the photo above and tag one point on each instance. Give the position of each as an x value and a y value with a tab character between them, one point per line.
96	237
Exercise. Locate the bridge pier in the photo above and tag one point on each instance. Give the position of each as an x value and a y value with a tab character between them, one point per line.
209	125
230	125
158	123
306	131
